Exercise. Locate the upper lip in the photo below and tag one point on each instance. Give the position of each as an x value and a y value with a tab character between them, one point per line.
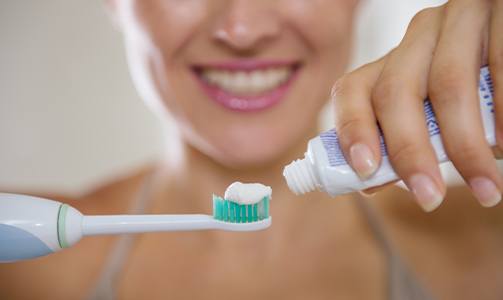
246	65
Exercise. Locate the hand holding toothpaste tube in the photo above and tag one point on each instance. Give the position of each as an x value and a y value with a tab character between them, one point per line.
440	59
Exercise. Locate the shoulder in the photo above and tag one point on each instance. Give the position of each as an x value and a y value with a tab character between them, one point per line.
111	197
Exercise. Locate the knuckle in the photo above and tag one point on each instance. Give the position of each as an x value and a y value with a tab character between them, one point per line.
407	152
388	89
424	15
359	79
447	84
345	127
343	86
349	130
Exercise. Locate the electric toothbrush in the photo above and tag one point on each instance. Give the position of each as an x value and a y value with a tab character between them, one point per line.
31	227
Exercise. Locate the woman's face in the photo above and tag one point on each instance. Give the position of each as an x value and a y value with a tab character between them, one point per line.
244	79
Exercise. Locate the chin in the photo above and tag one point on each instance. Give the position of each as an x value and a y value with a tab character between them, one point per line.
249	160
251	151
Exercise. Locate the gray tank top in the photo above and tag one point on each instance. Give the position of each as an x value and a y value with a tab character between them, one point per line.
402	283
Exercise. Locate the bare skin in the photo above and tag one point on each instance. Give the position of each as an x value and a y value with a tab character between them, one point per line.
301	255
318	247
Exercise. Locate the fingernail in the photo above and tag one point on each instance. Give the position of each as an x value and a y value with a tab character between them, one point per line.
486	191
425	191
362	160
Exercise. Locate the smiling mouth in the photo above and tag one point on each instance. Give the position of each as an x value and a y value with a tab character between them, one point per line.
247	85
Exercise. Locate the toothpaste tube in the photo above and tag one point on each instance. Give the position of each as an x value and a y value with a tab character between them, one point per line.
325	168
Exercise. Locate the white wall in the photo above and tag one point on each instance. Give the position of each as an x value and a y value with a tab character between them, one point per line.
380	26
69	116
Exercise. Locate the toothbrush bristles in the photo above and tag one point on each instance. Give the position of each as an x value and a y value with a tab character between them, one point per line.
229	211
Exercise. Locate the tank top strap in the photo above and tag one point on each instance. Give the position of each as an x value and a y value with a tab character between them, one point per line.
402	283
105	288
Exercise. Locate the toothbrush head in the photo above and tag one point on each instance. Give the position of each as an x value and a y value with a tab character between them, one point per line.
229	211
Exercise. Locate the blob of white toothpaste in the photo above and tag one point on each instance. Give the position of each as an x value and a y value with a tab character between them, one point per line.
247	193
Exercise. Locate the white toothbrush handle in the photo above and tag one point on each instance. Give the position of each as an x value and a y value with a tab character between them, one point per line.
31	227
117	224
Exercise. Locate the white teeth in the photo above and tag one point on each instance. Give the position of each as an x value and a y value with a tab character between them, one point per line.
246	83
240	80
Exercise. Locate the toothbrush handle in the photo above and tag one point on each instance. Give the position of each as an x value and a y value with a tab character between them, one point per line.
118	224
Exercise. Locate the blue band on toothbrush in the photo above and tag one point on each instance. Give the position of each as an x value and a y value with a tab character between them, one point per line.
63	243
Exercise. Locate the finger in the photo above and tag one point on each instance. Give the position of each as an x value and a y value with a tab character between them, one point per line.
398	100
453	90
496	65
355	121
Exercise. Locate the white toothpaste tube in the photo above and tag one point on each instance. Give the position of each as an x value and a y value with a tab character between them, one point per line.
325	168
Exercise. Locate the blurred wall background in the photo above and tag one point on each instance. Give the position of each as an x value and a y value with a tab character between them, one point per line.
70	119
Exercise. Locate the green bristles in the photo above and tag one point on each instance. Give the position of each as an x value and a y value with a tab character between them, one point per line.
228	211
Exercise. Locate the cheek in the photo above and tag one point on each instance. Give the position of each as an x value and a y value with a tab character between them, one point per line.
323	23
157	33
168	24
326	26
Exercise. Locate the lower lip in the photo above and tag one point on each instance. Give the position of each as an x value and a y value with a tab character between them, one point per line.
247	103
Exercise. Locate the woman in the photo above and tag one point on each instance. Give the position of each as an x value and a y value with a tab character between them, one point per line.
244	82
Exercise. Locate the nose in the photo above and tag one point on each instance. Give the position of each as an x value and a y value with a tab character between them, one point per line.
247	24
